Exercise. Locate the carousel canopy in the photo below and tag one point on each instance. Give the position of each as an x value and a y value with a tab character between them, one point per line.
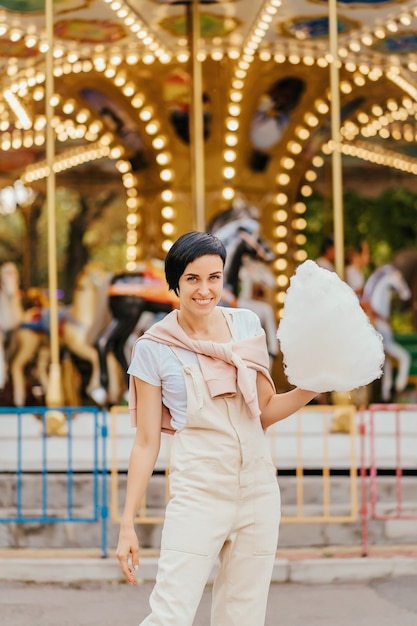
124	76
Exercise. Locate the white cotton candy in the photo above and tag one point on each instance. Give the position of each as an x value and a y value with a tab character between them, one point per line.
327	340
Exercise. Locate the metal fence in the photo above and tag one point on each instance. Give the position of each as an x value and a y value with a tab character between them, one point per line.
388	446
307	444
120	428
37	443
300	446
40	441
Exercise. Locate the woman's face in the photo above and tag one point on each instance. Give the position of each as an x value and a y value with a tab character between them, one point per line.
201	284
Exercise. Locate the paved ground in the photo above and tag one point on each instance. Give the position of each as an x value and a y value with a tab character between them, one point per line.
384	602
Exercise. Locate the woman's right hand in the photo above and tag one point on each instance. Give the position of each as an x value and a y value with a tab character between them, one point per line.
142	461
128	547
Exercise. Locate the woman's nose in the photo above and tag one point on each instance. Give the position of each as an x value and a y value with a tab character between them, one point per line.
204	287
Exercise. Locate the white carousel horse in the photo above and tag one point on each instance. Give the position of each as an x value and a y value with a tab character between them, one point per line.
76	322
246	270
11	312
239	210
377	301
88	315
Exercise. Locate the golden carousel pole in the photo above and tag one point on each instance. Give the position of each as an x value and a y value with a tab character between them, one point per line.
342	416
196	120
337	181
54	391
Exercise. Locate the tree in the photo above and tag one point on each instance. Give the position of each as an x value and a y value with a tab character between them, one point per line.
388	222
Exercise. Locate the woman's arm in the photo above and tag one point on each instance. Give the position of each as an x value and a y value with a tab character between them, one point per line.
277	406
142	461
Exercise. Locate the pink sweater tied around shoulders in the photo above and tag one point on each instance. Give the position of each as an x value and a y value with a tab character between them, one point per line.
224	366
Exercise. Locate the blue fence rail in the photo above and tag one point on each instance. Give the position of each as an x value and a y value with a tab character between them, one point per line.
42	440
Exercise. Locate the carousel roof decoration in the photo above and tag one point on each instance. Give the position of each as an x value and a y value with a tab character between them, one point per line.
122	83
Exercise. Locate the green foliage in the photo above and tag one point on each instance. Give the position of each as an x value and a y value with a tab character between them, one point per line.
388	222
315	230
12	236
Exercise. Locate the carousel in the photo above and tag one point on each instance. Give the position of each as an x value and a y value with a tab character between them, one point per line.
156	117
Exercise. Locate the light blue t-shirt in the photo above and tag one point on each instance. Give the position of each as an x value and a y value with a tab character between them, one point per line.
157	364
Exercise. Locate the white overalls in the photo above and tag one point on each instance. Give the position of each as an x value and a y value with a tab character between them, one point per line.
225	502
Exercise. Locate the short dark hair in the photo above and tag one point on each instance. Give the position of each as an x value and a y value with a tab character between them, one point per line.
185	250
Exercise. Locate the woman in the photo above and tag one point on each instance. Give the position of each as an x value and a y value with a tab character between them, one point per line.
208	366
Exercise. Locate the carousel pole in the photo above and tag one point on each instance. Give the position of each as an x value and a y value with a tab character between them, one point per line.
337	181
340	423
196	120
53	393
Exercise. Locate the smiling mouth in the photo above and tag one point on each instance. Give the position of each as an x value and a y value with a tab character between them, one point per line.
202	301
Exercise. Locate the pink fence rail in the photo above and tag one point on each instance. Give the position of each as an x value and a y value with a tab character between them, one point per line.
394	434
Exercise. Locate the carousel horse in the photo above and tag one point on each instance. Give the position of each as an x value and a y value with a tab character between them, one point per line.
377	297
246	271
88	315
11	313
240	209
32	345
131	295
85	315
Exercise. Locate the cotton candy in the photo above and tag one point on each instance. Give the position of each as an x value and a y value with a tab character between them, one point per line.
326	339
